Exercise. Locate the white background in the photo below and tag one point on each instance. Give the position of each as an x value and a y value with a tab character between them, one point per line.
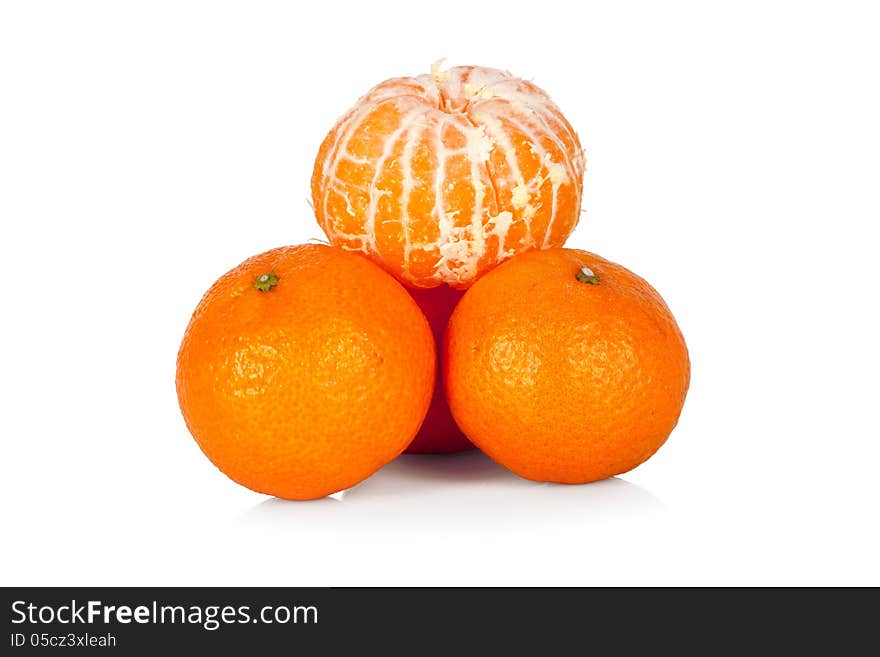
733	160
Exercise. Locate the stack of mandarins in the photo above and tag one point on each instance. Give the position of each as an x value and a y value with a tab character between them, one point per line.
445	313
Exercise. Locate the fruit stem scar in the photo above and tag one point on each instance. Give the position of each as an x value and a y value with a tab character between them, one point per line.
266	282
586	275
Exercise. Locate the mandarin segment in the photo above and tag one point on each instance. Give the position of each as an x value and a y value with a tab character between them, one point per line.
440	177
565	367
307	382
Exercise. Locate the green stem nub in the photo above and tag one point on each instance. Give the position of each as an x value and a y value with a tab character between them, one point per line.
586	275
265	282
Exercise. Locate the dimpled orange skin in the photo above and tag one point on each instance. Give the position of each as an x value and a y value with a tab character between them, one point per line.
310	387
439	433
440	177
561	380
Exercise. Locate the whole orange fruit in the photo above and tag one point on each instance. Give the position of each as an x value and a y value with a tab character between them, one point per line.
565	367
304	370
440	177
439	433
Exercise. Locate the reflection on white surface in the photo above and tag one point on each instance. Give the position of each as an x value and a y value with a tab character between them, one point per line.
466	490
